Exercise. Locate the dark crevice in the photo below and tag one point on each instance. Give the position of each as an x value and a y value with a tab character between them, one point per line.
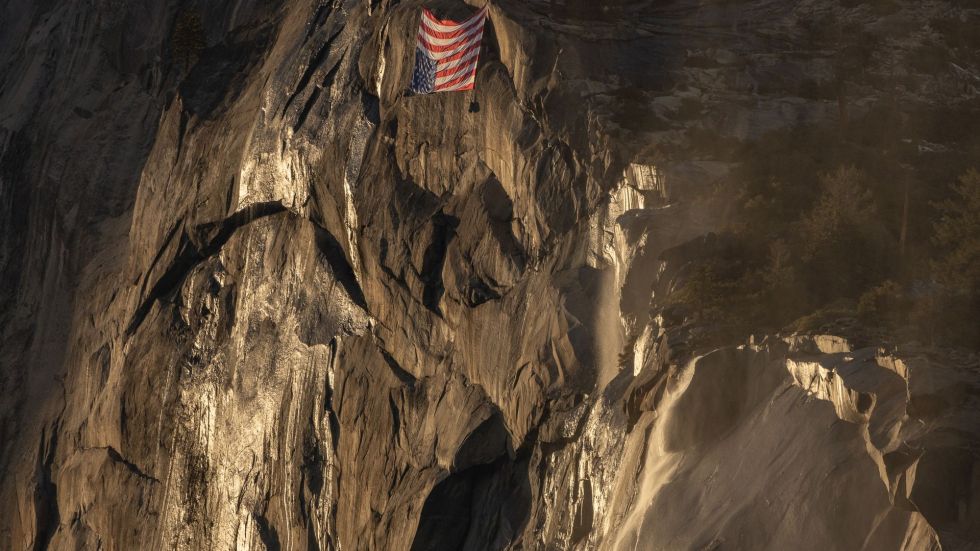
443	231
939	492
484	501
181	131
582	523
316	60
267	532
313	460
307	107
312	470
479	292
500	210
383	264
864	402
395	417
47	516
323	11
328	78
311	542
333	252
315	95
484	445
372	107
15	216
897	466
222	70
232	195
166	244
445	519
130	466
400	372
328	402
477	508
186	258
214	236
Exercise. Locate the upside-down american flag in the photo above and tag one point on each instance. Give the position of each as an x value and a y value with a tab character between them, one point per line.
446	53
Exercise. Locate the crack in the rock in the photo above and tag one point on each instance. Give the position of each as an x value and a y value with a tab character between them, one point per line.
323	11
166	244
117	457
343	272
443	232
47	514
316	60
267	531
191	255
401	373
325	84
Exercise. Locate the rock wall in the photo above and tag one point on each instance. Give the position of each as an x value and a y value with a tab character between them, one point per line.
256	297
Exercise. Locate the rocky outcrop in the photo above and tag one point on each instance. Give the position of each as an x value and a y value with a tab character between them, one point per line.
254	296
747	441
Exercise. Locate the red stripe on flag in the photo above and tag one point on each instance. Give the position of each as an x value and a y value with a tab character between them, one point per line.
461	29
459	43
470	66
434	19
457	59
458	55
434	48
455	81
457	87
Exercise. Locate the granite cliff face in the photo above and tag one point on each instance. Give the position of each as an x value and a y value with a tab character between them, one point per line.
254	296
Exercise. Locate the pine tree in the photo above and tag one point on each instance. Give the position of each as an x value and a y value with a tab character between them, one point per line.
957	234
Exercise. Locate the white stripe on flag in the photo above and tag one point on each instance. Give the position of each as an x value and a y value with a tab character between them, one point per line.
463	84
449	53
456	74
446	41
460	61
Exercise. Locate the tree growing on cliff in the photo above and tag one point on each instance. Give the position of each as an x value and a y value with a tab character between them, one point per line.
187	40
957	236
843	242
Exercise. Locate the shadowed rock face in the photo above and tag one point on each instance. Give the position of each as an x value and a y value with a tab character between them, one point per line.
254	296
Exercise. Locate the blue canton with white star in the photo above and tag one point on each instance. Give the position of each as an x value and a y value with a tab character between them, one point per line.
424	77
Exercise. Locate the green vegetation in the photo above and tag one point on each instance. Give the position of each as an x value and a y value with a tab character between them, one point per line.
855	228
957	236
187	39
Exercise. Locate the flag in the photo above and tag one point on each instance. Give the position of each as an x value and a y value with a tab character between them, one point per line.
446	53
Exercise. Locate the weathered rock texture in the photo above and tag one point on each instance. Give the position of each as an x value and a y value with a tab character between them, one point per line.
253	296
